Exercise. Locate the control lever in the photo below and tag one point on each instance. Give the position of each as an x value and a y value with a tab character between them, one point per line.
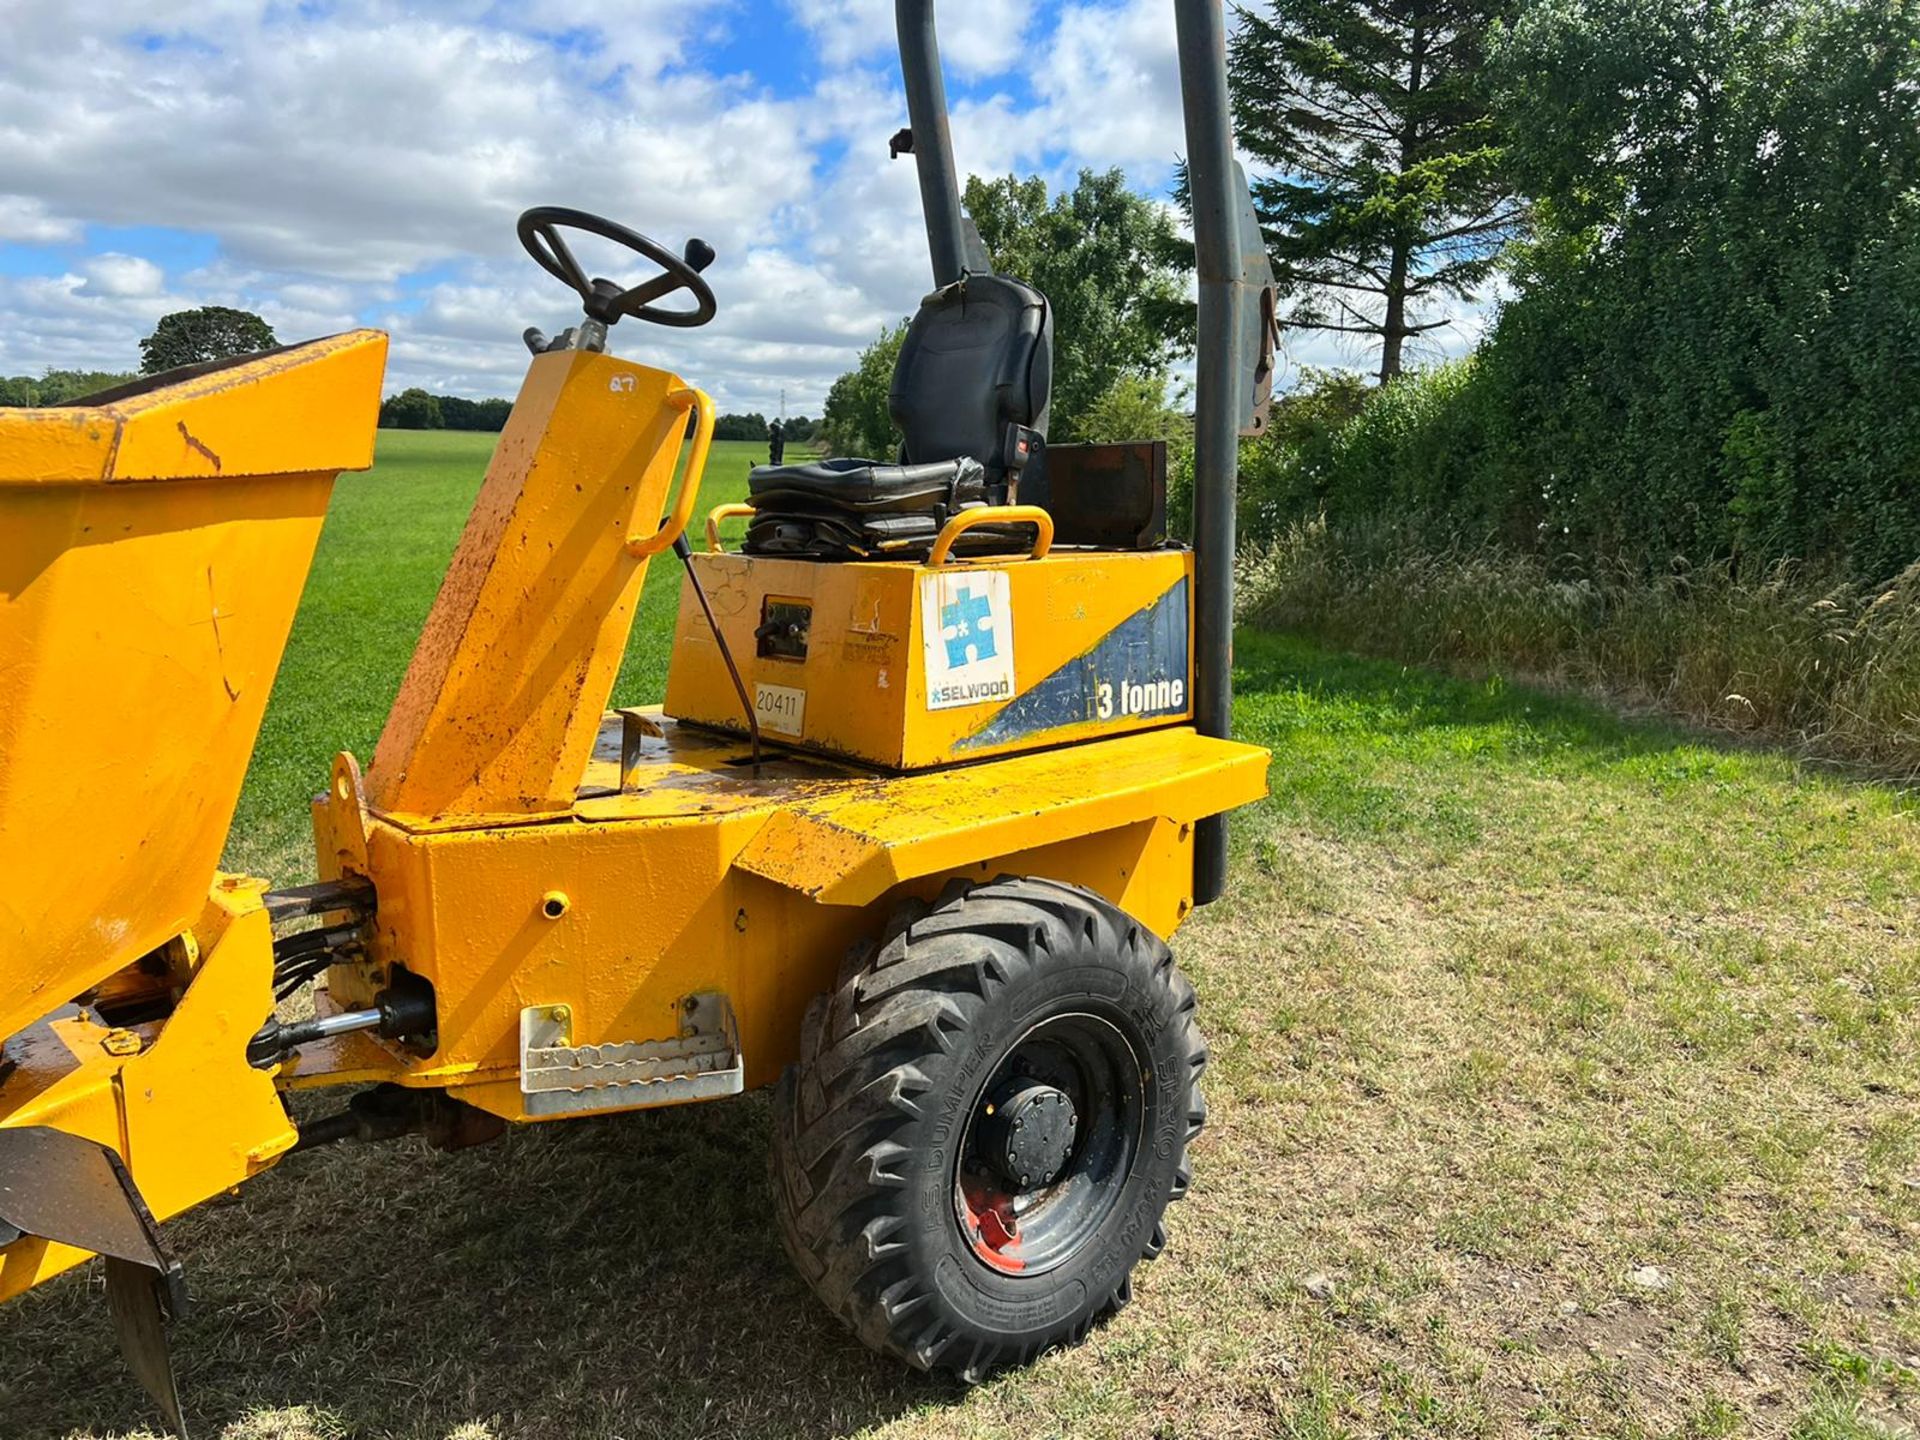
587	335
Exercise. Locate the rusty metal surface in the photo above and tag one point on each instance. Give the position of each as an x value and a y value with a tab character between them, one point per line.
502	700
63	1187
1112	496
138	1300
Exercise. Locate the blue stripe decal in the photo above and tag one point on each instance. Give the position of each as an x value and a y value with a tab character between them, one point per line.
1138	671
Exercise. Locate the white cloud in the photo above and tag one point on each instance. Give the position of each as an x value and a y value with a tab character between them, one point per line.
27	220
122	275
364	160
369	144
1113	84
978	39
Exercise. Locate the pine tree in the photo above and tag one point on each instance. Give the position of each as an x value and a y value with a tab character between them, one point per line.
1386	192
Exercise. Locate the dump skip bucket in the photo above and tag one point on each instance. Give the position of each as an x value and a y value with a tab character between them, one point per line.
153	545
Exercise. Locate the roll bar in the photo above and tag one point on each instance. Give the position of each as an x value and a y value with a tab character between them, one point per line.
1234	359
932	138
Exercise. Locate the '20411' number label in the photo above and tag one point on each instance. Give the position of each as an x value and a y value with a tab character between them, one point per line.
781	709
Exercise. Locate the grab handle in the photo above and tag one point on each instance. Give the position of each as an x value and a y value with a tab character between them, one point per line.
731	511
671	529
1032	515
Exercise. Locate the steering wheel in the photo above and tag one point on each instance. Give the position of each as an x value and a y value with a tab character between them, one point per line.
605	301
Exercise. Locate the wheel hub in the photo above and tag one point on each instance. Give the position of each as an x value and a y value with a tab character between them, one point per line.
1027	1133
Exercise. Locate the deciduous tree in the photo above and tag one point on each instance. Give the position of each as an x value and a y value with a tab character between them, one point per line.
1108	261
412	409
212	332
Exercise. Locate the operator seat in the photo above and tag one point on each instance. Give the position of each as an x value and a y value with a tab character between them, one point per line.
970	393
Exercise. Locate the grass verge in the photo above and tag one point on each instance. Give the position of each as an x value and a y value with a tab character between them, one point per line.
1830	669
1563	1084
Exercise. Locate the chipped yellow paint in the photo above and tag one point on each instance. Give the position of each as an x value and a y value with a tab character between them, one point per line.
705	875
154	551
502	699
851	844
526	849
187	1113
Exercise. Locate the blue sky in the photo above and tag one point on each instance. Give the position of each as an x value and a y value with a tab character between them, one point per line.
343	162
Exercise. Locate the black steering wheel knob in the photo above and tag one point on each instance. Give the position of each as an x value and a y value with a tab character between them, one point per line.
605	301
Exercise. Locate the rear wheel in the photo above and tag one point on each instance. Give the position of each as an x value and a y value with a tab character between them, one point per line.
990	1113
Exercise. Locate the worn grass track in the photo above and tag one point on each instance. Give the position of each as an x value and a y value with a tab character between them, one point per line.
1564	1083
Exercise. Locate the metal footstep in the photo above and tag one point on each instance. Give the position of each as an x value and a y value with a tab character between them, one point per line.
558	1077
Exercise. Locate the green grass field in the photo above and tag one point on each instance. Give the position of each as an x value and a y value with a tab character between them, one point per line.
1564	1083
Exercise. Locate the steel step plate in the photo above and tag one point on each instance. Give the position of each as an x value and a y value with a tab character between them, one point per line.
558	1077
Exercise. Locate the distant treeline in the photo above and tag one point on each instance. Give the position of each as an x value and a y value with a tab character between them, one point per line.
56	387
753	426
417	409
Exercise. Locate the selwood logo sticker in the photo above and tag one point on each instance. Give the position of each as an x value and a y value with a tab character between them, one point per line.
967	631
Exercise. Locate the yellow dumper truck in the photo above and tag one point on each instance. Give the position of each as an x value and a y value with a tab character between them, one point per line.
941	766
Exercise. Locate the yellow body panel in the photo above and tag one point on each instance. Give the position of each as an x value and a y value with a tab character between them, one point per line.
154	551
501	701
1089	633
852	844
186	1112
703	876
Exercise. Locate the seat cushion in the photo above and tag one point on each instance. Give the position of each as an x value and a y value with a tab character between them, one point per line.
867	485
865	509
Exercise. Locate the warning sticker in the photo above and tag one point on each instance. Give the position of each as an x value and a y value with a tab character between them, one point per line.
967	630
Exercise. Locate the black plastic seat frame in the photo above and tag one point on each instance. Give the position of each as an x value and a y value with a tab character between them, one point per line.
970	397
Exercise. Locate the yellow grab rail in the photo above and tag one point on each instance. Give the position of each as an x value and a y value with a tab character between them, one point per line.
675	525
1032	515
732	511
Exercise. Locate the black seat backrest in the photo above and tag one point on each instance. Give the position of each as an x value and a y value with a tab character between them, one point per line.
975	371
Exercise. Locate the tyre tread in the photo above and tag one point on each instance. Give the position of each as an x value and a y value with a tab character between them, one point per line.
842	1113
